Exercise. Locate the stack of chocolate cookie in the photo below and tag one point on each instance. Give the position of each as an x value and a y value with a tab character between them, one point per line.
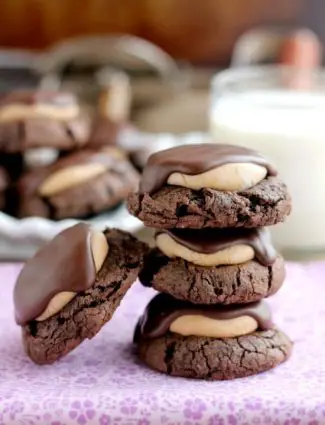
213	264
49	164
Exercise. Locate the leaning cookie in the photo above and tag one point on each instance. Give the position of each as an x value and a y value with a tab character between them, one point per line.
78	185
209	185
213	343
41	120
71	288
211	266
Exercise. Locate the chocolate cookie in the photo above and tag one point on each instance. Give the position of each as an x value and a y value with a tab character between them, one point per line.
40	119
209	342
265	204
16	164
208	266
78	185
72	287
242	283
209	185
215	359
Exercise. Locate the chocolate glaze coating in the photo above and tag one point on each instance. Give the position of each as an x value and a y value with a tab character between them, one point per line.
26	97
30	181
209	241
195	159
64	264
163	310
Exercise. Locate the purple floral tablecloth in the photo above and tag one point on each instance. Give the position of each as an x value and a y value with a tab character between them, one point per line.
102	382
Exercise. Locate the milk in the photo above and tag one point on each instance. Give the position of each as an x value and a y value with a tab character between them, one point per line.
289	128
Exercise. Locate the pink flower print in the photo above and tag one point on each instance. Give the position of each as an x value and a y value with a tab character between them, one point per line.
82	412
216	420
143	422
253	404
194	409
16	408
127	371
231	406
232	420
105	420
128	406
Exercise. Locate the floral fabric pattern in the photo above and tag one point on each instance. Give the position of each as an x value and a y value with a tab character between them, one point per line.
103	383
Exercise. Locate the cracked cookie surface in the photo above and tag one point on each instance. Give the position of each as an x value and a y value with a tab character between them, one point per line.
47	341
265	204
97	195
18	136
243	283
215	359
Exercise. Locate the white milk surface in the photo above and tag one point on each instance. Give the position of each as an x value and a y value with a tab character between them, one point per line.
288	128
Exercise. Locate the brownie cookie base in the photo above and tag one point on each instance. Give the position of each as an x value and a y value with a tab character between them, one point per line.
47	341
97	195
265	204
17	136
232	284
215	359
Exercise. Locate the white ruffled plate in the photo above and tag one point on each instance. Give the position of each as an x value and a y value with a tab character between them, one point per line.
20	239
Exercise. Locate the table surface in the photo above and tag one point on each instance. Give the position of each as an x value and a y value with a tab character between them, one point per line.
103	383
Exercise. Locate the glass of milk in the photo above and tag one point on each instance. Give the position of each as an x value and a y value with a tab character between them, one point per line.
280	112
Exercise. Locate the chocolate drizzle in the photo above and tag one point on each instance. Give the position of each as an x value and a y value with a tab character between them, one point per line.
64	264
163	310
38	98
195	159
209	241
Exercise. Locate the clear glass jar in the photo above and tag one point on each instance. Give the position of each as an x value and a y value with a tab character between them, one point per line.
280	112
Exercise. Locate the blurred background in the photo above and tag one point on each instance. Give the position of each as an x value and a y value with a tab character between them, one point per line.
199	37
160	58
200	32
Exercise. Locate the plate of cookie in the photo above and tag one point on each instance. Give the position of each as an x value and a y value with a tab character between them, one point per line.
59	166
51	175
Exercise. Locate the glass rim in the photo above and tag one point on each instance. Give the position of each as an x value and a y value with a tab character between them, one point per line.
235	76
